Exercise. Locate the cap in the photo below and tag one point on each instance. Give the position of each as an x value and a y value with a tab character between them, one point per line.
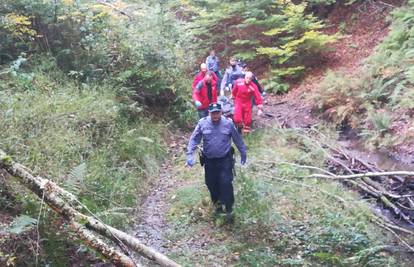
214	107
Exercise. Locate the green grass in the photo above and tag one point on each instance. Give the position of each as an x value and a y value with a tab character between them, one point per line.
281	220
80	140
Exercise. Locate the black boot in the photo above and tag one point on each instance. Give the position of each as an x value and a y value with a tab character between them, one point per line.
219	208
229	217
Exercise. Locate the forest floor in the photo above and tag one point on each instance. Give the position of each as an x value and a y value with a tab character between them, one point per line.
174	202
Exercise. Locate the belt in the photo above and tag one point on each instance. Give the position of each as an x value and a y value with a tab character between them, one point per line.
228	154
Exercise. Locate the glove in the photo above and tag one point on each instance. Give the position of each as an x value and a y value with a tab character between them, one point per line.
197	103
221	92
264	93
260	111
190	162
243	159
227	88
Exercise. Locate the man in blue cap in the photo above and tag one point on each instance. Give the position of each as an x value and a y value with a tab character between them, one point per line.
217	133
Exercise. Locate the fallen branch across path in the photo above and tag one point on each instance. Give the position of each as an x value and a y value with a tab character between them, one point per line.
63	203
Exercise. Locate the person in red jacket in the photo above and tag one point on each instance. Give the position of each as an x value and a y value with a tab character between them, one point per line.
243	91
205	93
200	75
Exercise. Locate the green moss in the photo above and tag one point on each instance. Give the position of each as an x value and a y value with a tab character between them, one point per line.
6	160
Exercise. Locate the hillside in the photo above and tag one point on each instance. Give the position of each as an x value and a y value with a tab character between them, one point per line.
96	114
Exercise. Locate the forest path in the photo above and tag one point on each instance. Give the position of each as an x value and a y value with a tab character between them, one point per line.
293	110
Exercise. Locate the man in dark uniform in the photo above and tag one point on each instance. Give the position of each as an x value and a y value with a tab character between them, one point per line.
217	132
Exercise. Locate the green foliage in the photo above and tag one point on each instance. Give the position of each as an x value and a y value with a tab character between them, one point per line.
381	121
278	32
288	222
275	85
253	206
21	223
143	54
297	36
382	92
77	136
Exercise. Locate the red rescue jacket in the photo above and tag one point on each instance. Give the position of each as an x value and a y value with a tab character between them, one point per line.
244	92
200	93
200	76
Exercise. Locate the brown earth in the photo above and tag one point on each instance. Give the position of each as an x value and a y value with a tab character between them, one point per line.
362	27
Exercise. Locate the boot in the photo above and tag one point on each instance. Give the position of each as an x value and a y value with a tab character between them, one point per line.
229	217
219	208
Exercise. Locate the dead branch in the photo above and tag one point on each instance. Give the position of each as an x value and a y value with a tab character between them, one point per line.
361	175
396	235
307	186
53	194
114	8
295	165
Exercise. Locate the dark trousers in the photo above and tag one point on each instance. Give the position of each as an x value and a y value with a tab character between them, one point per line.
219	180
219	77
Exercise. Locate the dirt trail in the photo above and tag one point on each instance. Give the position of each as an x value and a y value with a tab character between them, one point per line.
152	226
151	222
293	110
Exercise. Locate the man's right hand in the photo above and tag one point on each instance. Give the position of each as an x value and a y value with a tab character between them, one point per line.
190	162
197	103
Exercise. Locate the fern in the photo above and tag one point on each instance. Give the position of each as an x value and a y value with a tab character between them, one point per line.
21	224
76	177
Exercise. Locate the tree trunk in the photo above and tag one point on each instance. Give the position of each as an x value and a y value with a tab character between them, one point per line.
63	203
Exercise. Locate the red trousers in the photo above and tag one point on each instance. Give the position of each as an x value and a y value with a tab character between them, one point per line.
243	113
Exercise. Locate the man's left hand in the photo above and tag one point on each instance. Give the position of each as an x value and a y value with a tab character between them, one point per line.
243	159
190	162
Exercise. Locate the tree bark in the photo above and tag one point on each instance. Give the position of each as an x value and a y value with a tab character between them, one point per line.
62	202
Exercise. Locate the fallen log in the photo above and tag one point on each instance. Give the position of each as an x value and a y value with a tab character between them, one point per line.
116	257
61	202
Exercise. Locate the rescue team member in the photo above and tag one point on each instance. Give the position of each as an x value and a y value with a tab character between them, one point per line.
233	72
213	64
254	79
200	75
204	94
217	131
243	91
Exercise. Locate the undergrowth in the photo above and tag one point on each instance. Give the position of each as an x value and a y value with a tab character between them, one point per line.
281	219
378	100
77	136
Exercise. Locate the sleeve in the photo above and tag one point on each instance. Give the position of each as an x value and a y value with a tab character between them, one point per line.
197	90
195	81
235	90
257	96
237	139
195	140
